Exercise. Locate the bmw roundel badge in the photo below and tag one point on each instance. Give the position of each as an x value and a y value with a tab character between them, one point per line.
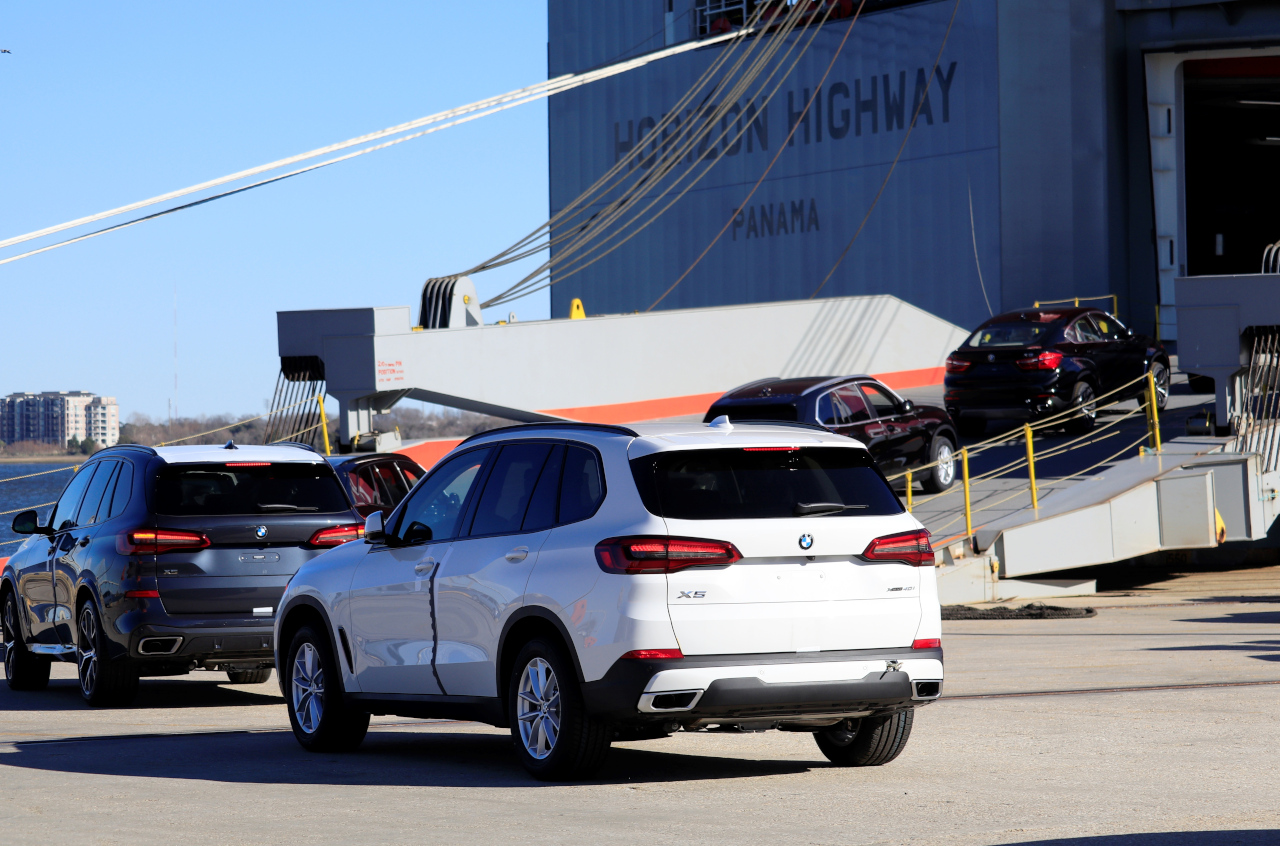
260	531
806	541
991	356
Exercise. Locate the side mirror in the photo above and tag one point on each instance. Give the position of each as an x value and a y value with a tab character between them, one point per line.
908	406
28	523
373	530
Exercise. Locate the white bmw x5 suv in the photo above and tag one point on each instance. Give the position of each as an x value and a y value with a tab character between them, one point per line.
583	583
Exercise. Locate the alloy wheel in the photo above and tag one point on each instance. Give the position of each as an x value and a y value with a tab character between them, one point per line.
946	464
87	651
538	705
1161	376
1085	400
10	638
308	688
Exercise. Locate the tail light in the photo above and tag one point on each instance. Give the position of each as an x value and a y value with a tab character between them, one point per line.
157	541
957	365
662	555
1047	360
908	547
654	653
927	643
337	535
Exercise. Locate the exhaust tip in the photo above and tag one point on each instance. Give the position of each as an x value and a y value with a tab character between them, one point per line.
926	689
674	700
159	645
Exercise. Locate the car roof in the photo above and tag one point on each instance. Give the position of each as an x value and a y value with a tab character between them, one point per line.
1041	315
646	438
780	388
274	453
365	457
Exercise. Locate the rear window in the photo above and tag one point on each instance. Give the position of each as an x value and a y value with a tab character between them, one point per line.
752	484
1022	334
759	411
247	488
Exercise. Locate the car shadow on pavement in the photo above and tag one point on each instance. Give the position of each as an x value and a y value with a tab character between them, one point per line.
1254	618
1269	650
421	758
1238	837
64	695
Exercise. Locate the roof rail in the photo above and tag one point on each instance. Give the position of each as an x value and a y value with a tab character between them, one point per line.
139	447
567	424
296	444
792	423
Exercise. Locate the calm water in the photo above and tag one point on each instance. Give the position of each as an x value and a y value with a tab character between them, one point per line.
27	492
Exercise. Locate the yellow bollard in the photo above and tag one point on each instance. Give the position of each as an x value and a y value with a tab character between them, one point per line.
324	426
1077	302
1153	415
968	513
1031	466
908	491
1157	323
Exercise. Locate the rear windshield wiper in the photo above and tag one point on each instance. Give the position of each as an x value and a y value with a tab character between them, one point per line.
286	506
803	508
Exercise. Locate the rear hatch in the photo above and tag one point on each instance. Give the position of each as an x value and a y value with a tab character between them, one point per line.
993	351
260	520
800	584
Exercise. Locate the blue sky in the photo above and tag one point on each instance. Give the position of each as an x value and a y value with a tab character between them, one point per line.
106	104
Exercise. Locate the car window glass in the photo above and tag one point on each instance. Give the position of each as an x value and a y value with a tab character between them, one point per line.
64	512
433	512
856	405
393	486
582	486
1033	329
123	488
411	472
1108	327
509	488
832	411
1084	332
885	405
249	487
364	490
542	505
91	507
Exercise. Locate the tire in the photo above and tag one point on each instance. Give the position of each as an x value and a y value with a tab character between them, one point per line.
543	693
1161	374
321	719
103	683
1082	398
971	427
248	676
868	742
23	669
943	476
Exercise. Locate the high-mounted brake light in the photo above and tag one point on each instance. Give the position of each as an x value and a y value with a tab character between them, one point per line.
1047	360
337	535
908	547
957	365
248	463
654	653
927	643
662	554
157	541
771	449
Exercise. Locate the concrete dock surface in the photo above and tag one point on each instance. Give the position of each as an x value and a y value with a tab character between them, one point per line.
1156	722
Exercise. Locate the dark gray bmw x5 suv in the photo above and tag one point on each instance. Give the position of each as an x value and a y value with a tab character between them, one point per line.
160	561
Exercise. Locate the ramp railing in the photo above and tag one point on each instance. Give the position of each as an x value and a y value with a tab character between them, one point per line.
1256	417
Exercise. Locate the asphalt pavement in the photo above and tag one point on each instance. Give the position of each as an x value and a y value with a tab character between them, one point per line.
1155	722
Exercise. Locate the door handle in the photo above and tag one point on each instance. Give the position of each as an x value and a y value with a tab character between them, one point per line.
425	566
84	541
518	554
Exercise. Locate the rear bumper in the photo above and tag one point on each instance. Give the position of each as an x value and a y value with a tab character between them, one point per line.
205	642
765	687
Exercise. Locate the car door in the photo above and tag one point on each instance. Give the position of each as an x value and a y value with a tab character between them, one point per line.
76	550
1122	354
903	437
483	580
1084	342
35	579
391	616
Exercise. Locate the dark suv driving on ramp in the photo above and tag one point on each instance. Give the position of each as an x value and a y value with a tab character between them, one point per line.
160	561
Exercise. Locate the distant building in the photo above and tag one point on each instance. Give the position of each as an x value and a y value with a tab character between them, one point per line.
56	417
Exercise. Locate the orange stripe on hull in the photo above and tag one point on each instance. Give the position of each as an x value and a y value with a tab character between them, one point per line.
429	452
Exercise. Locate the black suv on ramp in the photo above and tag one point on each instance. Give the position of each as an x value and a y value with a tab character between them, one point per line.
160	561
